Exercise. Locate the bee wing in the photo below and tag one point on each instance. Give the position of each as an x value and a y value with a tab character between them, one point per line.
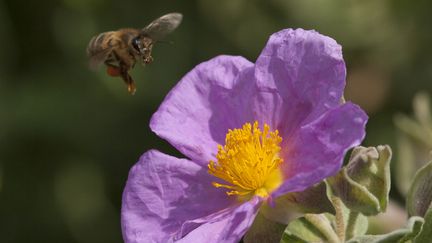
96	52
97	59
162	26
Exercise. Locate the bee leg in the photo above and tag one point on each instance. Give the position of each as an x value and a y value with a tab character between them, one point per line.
127	79
148	59
113	70
124	72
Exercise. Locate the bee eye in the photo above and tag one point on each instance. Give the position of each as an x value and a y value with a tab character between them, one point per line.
136	43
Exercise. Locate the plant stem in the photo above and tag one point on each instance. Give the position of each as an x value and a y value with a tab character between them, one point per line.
351	224
340	224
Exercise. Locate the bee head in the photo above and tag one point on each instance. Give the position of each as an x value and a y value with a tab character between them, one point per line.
138	45
142	44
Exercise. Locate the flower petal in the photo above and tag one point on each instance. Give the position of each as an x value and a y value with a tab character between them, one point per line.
317	150
307	71
298	76
228	227
196	114
162	192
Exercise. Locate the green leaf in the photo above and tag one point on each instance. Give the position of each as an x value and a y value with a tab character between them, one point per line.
311	228
414	141
397	236
364	184
326	227
347	223
264	230
291	205
405	166
413	129
422	109
425	234
361	187
311	200
357	224
420	193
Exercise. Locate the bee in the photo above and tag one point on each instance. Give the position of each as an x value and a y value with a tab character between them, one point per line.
120	50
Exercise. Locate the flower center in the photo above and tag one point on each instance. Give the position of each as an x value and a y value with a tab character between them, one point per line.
249	161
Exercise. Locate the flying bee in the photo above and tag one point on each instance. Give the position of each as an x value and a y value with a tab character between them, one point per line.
121	49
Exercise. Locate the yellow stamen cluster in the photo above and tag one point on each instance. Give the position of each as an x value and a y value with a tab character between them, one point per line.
249	161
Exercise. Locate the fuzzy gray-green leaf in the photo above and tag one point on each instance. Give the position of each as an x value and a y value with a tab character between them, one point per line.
420	194
264	230
398	236
311	228
425	234
414	141
364	184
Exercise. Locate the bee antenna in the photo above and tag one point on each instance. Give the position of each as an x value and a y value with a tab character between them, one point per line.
165	42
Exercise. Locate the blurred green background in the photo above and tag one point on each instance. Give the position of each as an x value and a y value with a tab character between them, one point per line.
68	136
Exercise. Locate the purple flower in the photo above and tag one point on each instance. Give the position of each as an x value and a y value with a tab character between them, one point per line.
251	132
